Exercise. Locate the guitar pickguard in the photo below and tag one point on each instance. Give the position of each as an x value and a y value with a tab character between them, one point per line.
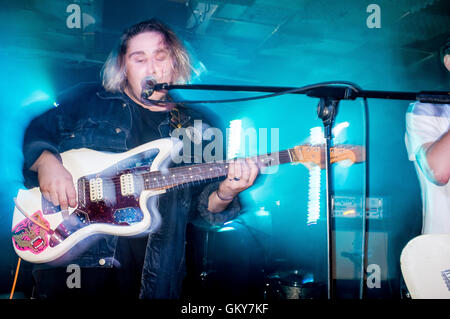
107	205
112	206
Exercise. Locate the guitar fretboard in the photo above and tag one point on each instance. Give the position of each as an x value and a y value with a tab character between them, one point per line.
194	174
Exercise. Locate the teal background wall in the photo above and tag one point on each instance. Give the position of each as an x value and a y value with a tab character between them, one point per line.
258	42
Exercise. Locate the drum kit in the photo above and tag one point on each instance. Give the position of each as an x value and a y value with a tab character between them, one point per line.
280	281
293	284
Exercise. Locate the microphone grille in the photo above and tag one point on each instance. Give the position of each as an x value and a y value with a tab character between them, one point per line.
148	82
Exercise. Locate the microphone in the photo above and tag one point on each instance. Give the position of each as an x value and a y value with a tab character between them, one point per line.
148	86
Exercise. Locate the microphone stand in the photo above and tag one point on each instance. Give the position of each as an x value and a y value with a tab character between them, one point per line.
327	110
338	92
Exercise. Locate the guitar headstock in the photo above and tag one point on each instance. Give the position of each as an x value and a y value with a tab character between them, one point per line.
315	154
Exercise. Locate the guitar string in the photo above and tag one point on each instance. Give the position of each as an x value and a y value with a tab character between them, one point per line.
156	180
183	171
201	172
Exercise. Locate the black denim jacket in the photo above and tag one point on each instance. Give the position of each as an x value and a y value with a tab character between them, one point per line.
87	116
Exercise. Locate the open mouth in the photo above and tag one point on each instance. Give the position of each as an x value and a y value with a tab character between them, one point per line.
37	242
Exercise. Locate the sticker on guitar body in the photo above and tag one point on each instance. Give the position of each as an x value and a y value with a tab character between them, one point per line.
29	236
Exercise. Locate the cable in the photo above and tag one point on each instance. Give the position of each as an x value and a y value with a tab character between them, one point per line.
15	278
364	211
19	260
302	89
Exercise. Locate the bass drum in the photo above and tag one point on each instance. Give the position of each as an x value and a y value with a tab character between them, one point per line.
293	284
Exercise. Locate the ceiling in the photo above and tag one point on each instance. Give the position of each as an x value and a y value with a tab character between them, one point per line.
278	42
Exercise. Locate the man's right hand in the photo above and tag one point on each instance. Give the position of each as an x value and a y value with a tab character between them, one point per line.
55	181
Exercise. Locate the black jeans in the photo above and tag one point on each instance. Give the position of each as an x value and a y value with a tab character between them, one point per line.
122	281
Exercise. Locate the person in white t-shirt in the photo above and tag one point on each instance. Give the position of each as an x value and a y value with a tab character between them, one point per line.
428	145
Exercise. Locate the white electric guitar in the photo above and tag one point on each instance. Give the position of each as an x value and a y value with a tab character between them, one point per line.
425	266
117	192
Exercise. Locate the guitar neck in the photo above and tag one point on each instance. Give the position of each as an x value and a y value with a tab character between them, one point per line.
195	174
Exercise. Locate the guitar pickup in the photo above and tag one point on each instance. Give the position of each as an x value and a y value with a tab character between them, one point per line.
127	184
96	189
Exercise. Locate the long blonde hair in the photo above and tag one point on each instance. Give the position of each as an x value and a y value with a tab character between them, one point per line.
113	72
